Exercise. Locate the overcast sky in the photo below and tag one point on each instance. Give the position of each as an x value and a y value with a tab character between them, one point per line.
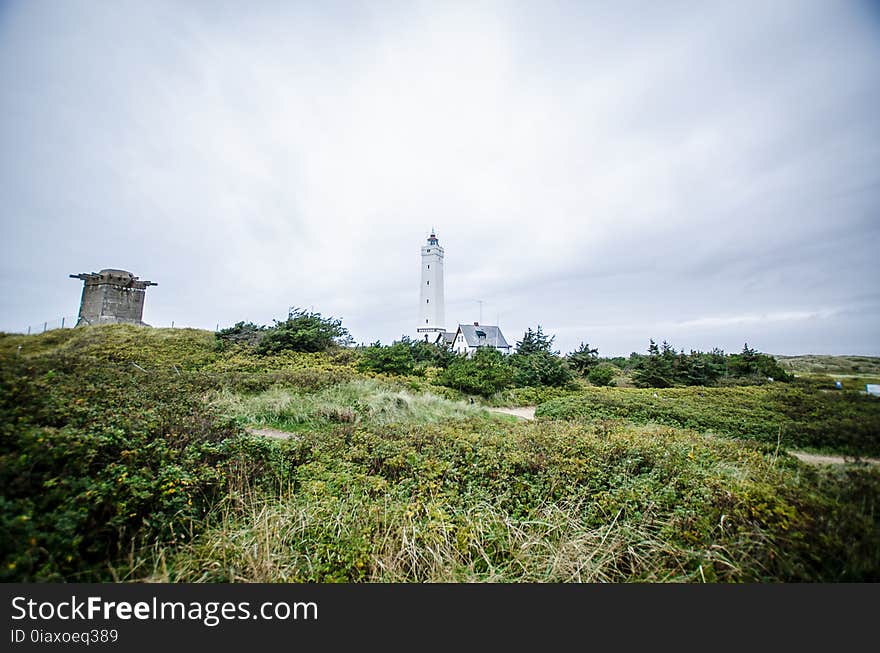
705	173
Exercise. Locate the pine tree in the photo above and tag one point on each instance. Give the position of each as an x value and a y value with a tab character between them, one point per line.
534	341
655	371
583	359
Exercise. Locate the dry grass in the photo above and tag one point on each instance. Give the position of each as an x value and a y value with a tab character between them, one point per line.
270	542
352	402
643	505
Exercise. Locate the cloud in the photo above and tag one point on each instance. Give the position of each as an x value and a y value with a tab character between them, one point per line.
763	318
616	171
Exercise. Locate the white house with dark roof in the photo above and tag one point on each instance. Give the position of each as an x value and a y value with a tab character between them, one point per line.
470	337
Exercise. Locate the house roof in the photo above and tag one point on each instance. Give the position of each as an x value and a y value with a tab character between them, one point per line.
447	336
473	336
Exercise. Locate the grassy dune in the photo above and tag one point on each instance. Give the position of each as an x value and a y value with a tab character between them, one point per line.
832	365
535	502
358	401
116	471
800	415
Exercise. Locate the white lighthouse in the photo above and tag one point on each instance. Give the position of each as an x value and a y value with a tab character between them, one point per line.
432	318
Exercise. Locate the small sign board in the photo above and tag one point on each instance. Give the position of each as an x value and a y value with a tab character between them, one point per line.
873	389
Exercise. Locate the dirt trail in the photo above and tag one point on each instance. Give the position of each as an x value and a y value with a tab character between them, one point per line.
272	433
815	459
524	412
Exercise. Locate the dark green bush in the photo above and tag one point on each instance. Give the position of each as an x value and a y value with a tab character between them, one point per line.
96	459
303	331
484	373
583	359
797	415
602	374
242	333
540	368
405	356
664	367
391	359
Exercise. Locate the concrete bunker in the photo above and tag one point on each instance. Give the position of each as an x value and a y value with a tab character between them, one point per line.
112	297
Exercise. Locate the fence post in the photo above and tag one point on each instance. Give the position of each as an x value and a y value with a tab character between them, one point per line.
62	322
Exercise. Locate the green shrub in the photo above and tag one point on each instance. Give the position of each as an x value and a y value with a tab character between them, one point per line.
751	363
531	396
602	374
583	359
247	334
540	368
92	458
110	472
428	354
484	373
664	367
537	503
303	331
393	359
796	415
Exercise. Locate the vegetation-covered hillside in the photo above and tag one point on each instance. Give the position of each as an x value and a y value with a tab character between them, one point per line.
798	416
124	454
834	365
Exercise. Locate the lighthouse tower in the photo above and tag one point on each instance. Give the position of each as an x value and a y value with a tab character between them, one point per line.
432	318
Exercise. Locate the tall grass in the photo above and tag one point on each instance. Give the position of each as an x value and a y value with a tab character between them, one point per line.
534	503
355	401
283	541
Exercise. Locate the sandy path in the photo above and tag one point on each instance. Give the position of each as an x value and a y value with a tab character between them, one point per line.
525	412
815	459
272	433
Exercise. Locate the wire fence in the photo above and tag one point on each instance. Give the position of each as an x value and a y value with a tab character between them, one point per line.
65	322
70	321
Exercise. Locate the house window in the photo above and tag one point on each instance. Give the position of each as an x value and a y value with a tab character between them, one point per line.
429	283
427	301
426	321
429	266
